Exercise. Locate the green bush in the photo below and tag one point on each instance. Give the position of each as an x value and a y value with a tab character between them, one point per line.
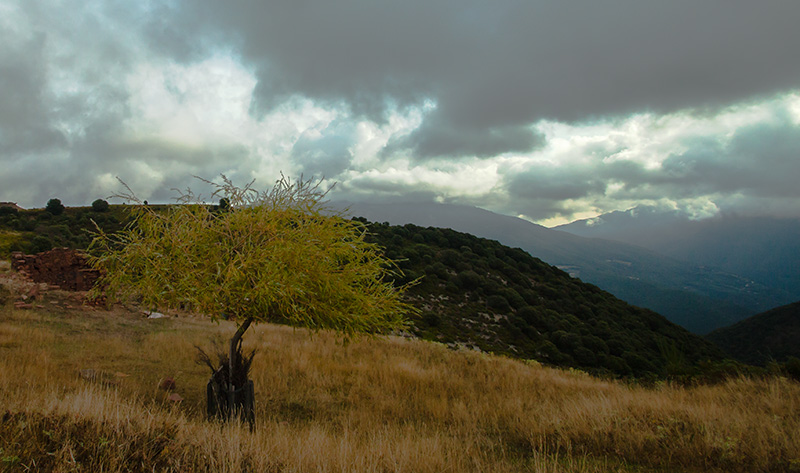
100	205
792	367
40	243
498	303
55	207
469	280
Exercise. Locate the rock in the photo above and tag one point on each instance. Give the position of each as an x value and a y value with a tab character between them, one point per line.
34	292
175	397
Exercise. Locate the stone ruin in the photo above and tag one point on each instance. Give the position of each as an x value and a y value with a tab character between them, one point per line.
60	268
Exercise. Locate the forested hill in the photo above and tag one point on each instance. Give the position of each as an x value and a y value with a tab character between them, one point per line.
773	335
473	292
479	293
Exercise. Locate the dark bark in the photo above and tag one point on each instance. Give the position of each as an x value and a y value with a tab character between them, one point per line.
235	342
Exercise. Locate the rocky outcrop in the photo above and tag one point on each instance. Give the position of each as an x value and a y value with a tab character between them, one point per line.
61	267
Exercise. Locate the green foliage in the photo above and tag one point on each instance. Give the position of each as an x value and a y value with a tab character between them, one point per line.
792	367
55	207
40	243
276	256
100	205
6	210
771	335
459	273
477	292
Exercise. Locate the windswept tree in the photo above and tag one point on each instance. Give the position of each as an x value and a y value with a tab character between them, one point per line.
280	256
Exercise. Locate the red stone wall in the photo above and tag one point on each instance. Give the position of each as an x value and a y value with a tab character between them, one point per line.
68	269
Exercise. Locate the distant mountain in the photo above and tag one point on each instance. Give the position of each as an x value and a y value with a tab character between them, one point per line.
699	299
765	250
772	335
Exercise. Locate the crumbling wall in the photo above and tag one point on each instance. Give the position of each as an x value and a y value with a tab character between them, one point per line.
61	267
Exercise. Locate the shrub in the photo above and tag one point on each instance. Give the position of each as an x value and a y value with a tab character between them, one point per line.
498	303
468	280
40	243
55	207
100	205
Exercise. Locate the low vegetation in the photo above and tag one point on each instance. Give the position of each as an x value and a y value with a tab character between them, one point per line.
765	339
373	404
479	294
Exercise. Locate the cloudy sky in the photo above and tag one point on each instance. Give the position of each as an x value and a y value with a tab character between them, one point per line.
548	110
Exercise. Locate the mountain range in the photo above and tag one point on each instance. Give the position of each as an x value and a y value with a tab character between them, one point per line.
766	250
697	296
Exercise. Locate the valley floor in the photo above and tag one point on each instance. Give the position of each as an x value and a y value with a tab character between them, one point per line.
372	404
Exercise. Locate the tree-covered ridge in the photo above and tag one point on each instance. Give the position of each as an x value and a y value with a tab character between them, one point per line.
36	230
478	293
472	292
773	335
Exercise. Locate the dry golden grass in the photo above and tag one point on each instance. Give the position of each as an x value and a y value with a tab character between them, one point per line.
381	405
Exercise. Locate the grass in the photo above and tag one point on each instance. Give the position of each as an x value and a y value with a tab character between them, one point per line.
382	405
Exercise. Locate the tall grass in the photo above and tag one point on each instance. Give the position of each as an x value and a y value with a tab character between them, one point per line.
387	404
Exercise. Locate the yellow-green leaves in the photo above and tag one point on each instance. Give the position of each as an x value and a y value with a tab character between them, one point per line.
278	256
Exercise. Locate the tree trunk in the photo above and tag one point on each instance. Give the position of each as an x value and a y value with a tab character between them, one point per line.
235	341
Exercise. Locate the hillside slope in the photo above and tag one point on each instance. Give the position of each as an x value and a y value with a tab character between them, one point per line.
480	293
772	335
383	404
699	299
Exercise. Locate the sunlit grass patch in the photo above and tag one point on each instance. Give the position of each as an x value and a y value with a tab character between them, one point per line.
373	404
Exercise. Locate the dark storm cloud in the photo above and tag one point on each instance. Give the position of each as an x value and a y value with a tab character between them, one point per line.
547	183
445	140
26	124
761	160
494	66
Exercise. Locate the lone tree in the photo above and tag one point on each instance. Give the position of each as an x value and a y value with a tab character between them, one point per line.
54	206
100	205
278	256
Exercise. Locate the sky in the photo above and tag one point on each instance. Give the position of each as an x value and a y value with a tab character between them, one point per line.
547	110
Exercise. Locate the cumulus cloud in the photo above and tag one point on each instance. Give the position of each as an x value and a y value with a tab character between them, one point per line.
736	156
549	110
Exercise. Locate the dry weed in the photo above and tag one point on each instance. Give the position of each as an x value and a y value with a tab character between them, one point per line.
369	405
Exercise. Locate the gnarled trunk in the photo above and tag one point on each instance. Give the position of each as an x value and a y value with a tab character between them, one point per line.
232	359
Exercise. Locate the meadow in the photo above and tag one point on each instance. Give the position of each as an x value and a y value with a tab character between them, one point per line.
385	404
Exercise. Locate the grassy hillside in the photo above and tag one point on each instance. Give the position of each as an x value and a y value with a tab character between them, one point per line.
479	294
770	336
382	405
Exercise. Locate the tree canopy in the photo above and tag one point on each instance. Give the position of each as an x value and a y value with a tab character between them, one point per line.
278	256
